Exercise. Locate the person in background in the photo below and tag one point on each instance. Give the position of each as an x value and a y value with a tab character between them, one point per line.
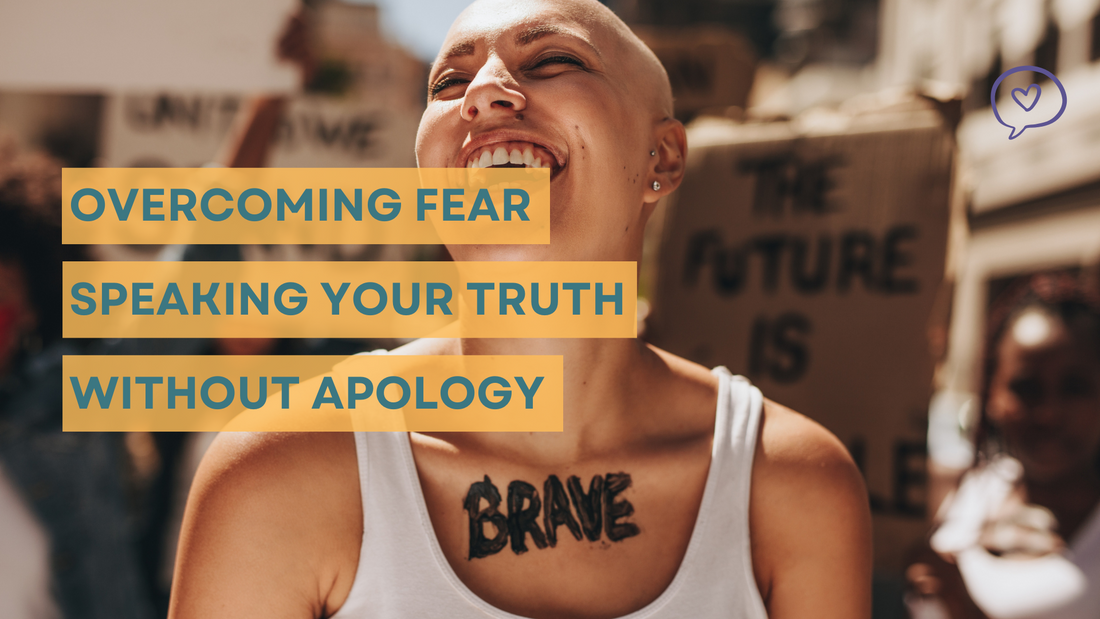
67	544
1020	536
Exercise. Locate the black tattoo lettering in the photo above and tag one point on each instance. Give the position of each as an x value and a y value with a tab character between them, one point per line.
556	511
613	511
522	521
600	510
588	506
480	546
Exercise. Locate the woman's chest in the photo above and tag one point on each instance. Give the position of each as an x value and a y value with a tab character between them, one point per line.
600	540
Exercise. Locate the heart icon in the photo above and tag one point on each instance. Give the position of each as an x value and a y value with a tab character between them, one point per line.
1025	94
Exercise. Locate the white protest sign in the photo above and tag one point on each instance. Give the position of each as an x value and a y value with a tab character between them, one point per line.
138	44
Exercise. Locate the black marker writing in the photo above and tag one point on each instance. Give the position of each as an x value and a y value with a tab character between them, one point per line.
523	520
480	546
588	506
557	511
617	510
600	510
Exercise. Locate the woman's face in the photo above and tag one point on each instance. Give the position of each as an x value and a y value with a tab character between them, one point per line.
549	83
1045	396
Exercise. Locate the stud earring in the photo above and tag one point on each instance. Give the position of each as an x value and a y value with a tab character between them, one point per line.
652	153
656	186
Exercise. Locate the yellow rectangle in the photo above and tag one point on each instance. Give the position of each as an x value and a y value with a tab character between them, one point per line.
331	393
290	299
203	206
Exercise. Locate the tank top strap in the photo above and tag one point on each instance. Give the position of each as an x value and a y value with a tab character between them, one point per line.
362	457
725	565
737	424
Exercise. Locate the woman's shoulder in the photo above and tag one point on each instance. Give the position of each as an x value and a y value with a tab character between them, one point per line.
794	443
276	517
797	458
257	459
809	509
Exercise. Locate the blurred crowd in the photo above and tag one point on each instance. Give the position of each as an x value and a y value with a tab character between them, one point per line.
1009	475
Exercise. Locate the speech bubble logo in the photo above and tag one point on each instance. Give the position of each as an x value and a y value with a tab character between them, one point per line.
1022	98
1016	92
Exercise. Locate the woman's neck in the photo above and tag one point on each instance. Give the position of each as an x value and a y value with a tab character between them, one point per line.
604	382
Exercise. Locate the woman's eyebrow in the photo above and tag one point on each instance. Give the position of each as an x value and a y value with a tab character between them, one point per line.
523	37
465	48
534	33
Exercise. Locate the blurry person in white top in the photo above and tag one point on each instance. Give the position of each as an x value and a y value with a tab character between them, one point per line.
1020	536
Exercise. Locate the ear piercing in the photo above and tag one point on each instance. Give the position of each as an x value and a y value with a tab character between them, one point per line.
652	153
656	186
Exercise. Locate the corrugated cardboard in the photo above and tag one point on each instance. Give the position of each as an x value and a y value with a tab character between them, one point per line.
709	67
740	280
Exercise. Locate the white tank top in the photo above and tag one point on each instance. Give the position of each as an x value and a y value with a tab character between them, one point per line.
402	571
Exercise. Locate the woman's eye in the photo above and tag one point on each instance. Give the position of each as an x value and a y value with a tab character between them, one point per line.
1077	386
446	83
1030	391
551	60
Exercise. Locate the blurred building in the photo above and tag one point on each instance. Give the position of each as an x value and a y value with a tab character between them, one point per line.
1033	202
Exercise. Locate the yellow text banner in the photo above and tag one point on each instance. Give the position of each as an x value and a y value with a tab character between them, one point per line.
312	393
322	206
350	299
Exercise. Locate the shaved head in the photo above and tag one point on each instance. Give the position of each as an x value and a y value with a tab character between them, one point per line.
564	84
612	38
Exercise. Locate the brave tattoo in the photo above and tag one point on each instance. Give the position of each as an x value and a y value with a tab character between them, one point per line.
600	510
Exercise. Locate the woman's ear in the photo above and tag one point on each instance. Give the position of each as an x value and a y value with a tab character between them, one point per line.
668	161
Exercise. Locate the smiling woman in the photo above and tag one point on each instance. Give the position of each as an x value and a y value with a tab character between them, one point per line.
704	499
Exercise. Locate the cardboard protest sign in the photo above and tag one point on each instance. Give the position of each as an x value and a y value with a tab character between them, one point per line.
707	66
806	255
186	129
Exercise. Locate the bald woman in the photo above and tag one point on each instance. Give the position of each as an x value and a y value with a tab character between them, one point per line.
675	491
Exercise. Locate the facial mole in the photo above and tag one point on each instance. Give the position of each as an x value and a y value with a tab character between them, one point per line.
519	115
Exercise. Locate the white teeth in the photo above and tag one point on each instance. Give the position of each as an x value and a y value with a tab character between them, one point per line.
499	155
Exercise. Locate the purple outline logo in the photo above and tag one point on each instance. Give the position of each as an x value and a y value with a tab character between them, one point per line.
1021	95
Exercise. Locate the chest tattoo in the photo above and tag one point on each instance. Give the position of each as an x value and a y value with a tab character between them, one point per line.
600	510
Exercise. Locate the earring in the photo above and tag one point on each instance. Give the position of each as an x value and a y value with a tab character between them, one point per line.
656	186
652	153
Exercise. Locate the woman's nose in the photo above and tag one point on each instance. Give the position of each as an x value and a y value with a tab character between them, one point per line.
493	92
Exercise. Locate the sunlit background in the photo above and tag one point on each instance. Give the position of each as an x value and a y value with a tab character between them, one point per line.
859	132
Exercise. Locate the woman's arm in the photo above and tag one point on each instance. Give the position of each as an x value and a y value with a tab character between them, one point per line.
811	526
272	528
